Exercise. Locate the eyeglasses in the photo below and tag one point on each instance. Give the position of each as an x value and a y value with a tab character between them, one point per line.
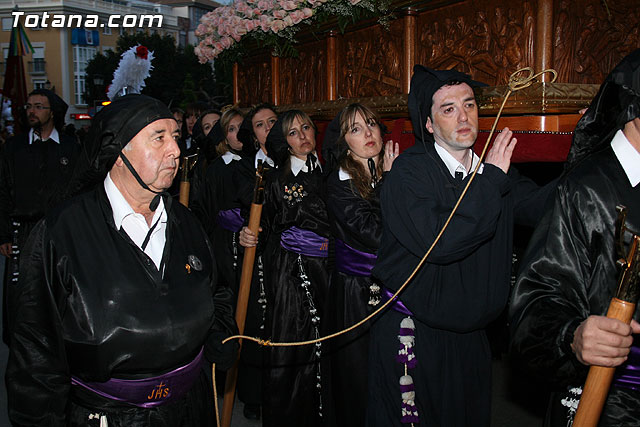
36	107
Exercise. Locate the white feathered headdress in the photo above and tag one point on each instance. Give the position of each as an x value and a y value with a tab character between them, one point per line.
134	67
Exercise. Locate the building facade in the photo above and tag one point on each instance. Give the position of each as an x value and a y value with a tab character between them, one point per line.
66	34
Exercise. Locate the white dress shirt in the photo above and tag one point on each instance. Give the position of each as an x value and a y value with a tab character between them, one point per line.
55	136
628	157
298	164
454	165
135	224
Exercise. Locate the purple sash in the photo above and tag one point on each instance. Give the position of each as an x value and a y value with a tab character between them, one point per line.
148	392
304	242
230	219
628	374
397	305
352	261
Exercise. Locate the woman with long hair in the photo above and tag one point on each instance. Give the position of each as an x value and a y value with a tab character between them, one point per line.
354	211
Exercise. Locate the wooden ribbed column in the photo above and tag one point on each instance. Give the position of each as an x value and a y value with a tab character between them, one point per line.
236	87
275	80
332	66
544	38
409	51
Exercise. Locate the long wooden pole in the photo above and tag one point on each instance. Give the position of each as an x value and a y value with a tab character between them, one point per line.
188	162
596	387
622	307
243	295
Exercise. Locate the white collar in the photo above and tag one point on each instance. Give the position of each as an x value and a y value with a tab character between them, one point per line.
265	159
121	208
55	136
343	175
298	165
228	157
454	165
628	157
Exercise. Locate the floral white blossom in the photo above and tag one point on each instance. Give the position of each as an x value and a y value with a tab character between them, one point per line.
225	26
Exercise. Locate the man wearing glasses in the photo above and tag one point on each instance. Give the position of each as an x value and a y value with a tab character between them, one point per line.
35	169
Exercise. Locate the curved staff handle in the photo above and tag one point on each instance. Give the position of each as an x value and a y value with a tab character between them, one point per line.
243	293
622	307
188	162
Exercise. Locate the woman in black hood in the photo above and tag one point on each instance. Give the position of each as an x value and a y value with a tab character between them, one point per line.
296	231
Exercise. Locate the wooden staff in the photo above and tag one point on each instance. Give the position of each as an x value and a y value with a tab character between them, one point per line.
622	307
243	293
188	162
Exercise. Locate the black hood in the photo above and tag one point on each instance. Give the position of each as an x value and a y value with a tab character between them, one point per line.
331	149
277	145
58	106
245	135
424	83
111	129
616	103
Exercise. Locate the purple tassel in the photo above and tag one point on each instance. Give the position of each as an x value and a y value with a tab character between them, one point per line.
409	410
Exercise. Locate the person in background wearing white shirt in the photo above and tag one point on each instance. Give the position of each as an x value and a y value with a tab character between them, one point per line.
35	169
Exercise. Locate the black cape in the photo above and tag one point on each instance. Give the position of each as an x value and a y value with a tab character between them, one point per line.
357	222
289	384
463	286
91	304
569	273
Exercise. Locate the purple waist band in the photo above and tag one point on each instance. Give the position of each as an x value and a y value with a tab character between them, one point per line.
230	219
397	305
304	242
352	261
148	392
628	374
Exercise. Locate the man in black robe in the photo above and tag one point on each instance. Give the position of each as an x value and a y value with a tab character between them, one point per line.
35	169
118	305
569	273
464	284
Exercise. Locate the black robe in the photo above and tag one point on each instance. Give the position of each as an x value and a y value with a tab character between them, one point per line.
569	273
92	305
33	179
462	287
290	393
357	222
218	193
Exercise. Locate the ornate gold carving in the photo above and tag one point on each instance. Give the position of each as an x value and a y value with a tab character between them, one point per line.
588	42
487	40
369	61
539	98
303	79
254	80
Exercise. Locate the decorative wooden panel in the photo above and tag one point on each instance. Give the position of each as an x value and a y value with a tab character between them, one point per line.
303	79
370	61
591	37
254	80
488	40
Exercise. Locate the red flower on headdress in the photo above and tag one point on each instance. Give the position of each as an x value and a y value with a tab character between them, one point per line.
141	52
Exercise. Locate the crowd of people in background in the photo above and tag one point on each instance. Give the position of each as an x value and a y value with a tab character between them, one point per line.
341	231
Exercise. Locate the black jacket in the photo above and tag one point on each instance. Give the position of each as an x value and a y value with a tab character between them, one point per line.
33	178
91	304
